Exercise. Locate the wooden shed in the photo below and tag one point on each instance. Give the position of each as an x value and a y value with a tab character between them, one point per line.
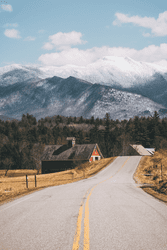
140	149
134	149
58	158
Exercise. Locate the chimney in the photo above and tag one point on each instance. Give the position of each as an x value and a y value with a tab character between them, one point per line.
71	141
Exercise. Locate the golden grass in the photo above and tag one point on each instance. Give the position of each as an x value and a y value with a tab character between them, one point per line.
149	172
11	187
18	172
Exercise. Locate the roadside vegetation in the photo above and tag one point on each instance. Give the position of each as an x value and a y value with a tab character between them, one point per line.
152	173
12	187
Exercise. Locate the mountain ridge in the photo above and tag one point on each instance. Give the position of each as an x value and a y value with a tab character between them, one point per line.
72	97
34	89
108	70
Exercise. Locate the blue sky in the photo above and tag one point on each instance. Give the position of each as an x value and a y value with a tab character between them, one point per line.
80	32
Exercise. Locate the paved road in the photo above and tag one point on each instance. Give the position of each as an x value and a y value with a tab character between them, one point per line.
107	211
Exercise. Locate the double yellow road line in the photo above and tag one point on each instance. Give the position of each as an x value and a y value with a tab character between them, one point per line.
86	218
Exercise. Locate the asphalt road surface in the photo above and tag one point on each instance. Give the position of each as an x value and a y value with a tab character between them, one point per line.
104	212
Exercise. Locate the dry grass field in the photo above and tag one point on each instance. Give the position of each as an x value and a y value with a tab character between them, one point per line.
14	183
149	172
18	172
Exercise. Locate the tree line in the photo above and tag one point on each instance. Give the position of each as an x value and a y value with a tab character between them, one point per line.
22	142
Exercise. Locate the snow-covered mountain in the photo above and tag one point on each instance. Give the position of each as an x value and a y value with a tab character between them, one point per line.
17	73
72	97
110	70
121	73
120	86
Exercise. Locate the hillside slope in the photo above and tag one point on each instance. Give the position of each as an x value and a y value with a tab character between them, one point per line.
122	73
71	97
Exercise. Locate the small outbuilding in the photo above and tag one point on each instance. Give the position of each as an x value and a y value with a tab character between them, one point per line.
138	150
151	150
134	149
58	158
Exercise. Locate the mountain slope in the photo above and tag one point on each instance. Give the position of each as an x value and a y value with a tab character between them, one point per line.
71	97
147	79
155	89
110	70
18	73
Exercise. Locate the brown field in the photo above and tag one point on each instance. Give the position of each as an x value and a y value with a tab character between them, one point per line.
149	173
18	172
15	186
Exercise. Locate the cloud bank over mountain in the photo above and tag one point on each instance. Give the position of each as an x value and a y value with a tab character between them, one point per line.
65	54
121	71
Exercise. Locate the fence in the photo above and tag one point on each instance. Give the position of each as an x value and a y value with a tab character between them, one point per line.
12	186
18	184
27	181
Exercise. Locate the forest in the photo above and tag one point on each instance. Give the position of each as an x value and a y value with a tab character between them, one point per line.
22	142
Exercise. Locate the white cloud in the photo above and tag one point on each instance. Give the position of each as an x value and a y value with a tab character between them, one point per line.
64	41
152	53
158	26
162	63
6	7
29	38
78	57
71	56
48	46
12	33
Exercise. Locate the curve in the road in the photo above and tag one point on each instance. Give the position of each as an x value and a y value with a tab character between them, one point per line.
107	211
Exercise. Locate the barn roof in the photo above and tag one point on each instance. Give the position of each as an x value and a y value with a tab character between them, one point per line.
63	152
151	150
140	150
48	151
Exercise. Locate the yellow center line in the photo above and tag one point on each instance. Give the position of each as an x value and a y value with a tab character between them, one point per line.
86	218
122	166
86	222
78	229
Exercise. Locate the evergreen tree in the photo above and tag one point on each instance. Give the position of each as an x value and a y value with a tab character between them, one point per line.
94	134
107	133
81	120
92	121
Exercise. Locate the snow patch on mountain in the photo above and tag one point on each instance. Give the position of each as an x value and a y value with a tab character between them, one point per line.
72	97
16	73
109	70
125	88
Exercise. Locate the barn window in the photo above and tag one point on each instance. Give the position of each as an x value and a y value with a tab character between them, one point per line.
96	158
